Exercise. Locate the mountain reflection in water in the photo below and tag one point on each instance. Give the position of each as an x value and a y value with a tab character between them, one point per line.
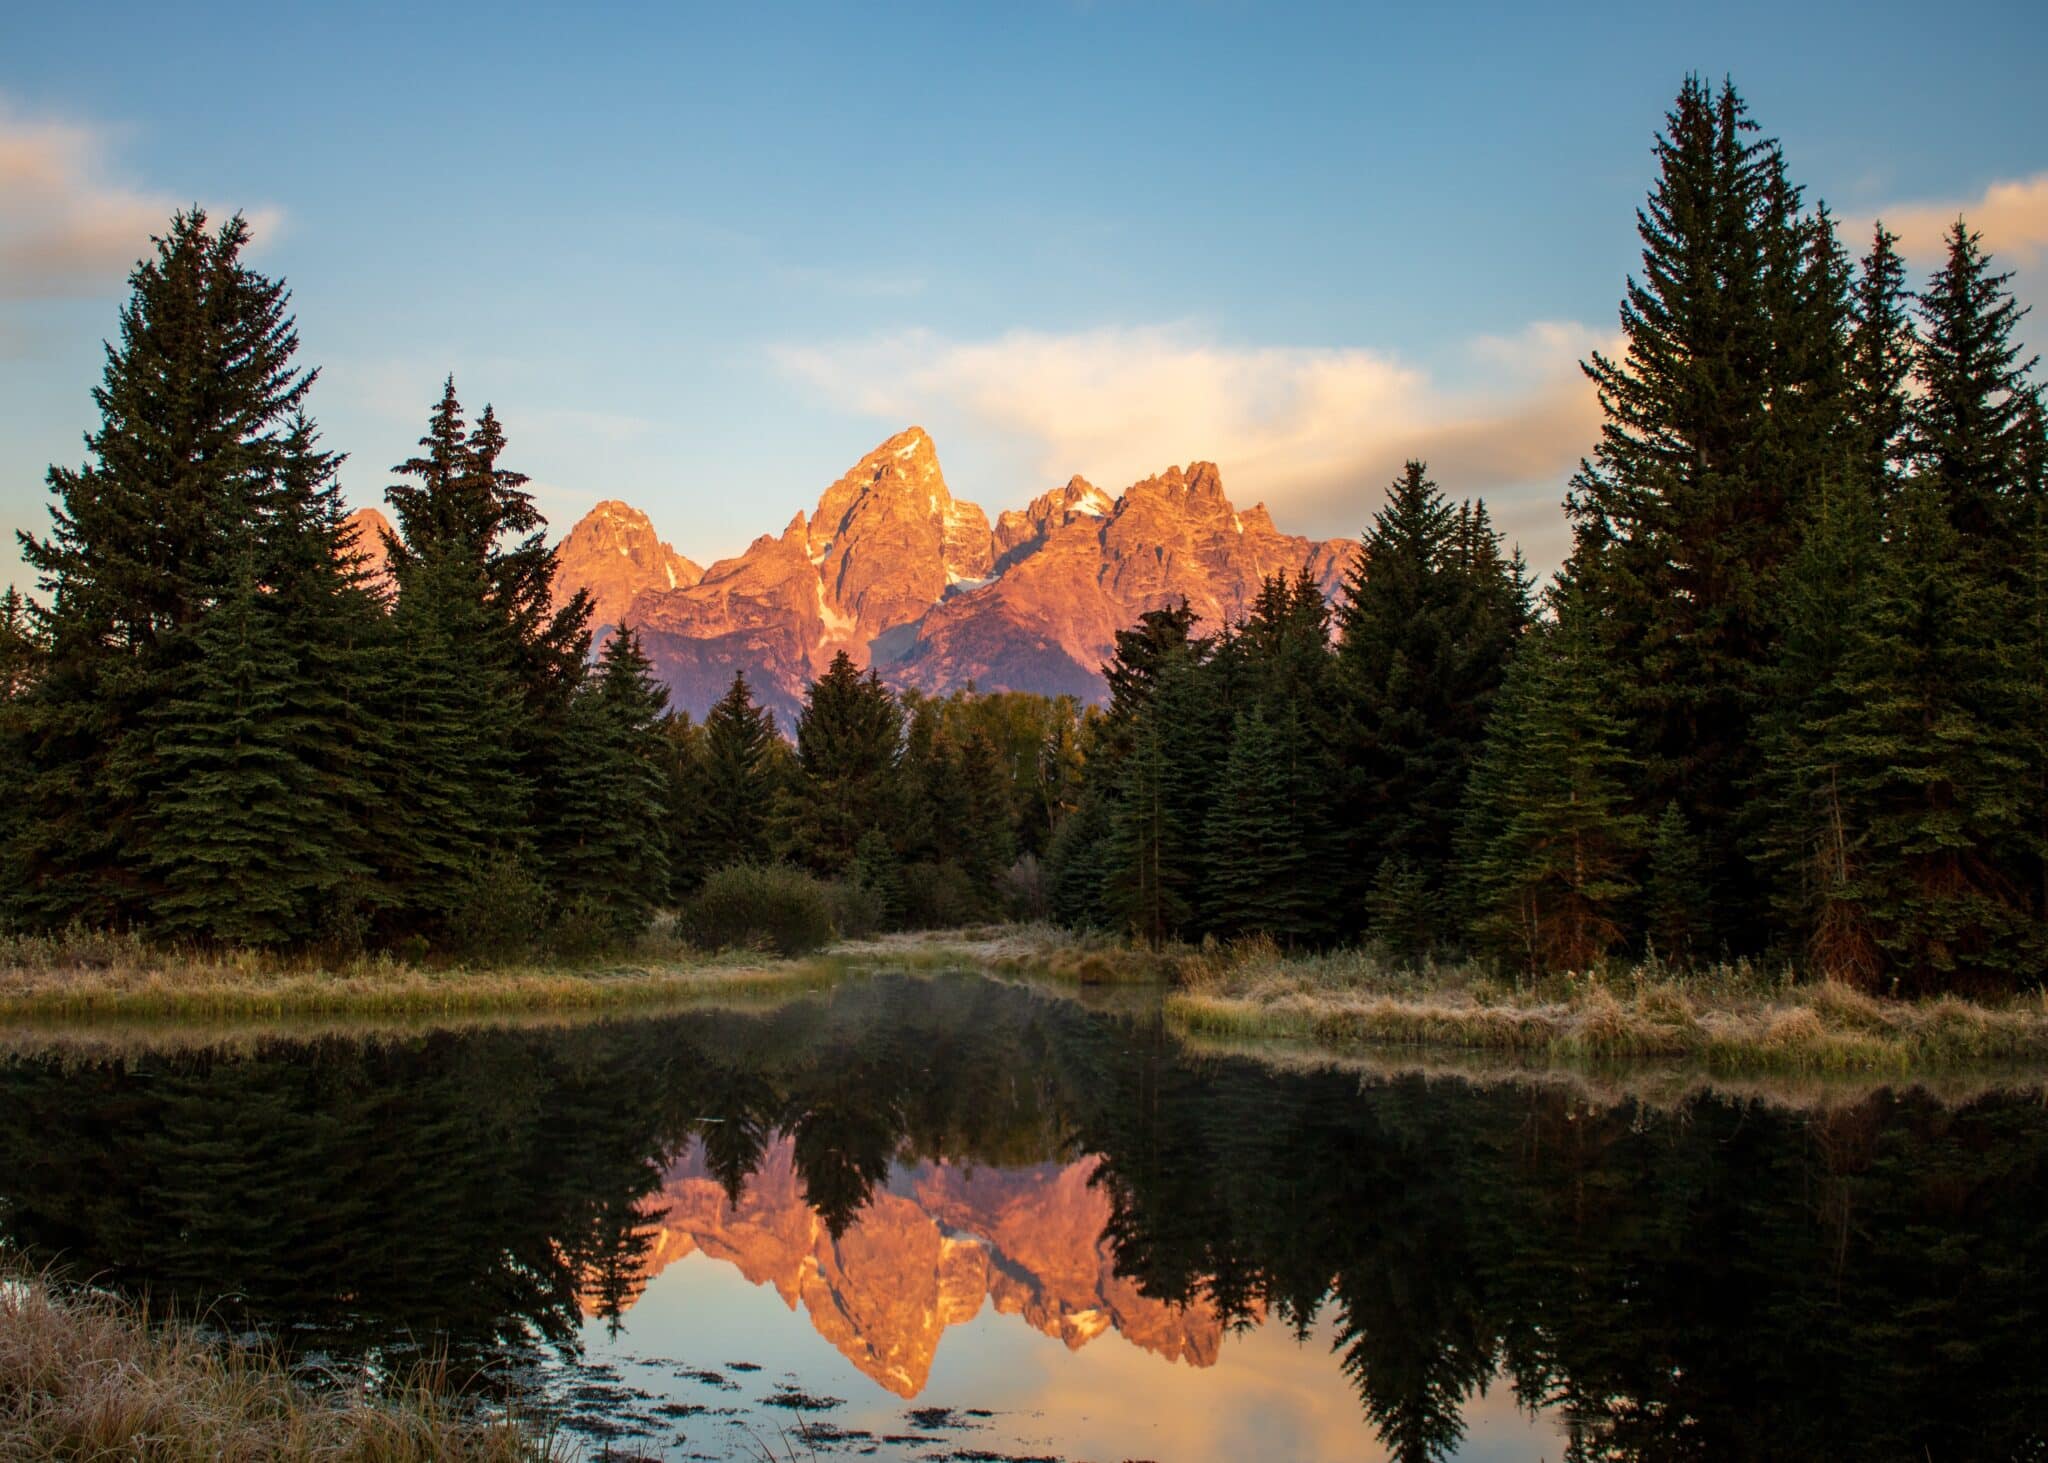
915	1163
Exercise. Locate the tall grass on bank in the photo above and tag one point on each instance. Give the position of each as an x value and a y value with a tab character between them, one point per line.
1731	1017
88	1375
85	975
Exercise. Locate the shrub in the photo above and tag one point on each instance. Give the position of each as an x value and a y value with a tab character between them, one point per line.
858	909
763	906
1022	890
502	909
940	896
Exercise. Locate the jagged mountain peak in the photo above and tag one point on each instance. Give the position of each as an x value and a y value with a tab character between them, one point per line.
903	576
615	554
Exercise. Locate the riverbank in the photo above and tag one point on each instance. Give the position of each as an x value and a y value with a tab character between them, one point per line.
84	1374
1727	1018
95	977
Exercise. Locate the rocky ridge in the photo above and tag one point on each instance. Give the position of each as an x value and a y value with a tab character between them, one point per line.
909	580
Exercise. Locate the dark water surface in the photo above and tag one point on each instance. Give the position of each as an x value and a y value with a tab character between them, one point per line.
954	1219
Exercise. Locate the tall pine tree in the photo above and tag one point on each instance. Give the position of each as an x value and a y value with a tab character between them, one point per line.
195	405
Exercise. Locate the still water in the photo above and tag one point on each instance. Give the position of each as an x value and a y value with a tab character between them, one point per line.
952	1218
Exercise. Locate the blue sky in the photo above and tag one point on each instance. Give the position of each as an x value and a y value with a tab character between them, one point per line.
701	259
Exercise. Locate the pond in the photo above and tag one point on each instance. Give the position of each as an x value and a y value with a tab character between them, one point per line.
948	1217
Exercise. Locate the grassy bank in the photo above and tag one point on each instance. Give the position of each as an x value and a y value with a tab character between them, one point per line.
115	977
86	1375
1727	1018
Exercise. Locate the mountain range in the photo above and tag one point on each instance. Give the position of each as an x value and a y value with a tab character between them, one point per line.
930	1248
909	580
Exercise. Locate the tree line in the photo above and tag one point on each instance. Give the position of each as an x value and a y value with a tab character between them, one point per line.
1788	695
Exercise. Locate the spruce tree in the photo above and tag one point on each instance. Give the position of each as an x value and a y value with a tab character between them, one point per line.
849	740
194	402
478	630
1261	865
228	786
460	803
1932	781
1805	846
607	865
1430	612
1968	420
17	645
1882	348
1147	890
1674	891
1721	417
729	820
1550	843
987	840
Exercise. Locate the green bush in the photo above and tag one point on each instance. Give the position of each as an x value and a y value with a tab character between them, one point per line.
761	906
940	896
501	910
857	909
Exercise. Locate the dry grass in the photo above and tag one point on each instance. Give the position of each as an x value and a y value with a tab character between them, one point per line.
89	977
1076	957
86	1375
1730	1018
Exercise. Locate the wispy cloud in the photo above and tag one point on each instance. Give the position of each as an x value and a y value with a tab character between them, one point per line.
1314	431
68	228
2012	216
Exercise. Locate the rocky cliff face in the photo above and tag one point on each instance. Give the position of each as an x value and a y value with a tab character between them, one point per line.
928	1252
614	553
908	579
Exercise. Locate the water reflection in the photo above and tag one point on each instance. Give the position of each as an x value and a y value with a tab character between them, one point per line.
911	1162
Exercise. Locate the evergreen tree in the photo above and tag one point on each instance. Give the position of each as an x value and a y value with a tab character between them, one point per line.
1430	612
1930	780
1882	348
849	739
1969	419
1804	842
1147	889
1721	417
608	861
228	792
194	405
1261	865
729	816
17	645
18	658
1549	841
1674	892
877	869
459	800
988	843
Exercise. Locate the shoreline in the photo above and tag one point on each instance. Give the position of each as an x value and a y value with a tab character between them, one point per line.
1729	1021
109	979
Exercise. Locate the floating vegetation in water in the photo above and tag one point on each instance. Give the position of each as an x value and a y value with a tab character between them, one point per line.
798	1400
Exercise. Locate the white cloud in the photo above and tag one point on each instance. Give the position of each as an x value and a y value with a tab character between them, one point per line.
68	229
2011	215
1315	432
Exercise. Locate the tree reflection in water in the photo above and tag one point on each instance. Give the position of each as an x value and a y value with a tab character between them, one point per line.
1716	1278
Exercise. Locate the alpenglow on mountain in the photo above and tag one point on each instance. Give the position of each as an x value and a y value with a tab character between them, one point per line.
909	580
